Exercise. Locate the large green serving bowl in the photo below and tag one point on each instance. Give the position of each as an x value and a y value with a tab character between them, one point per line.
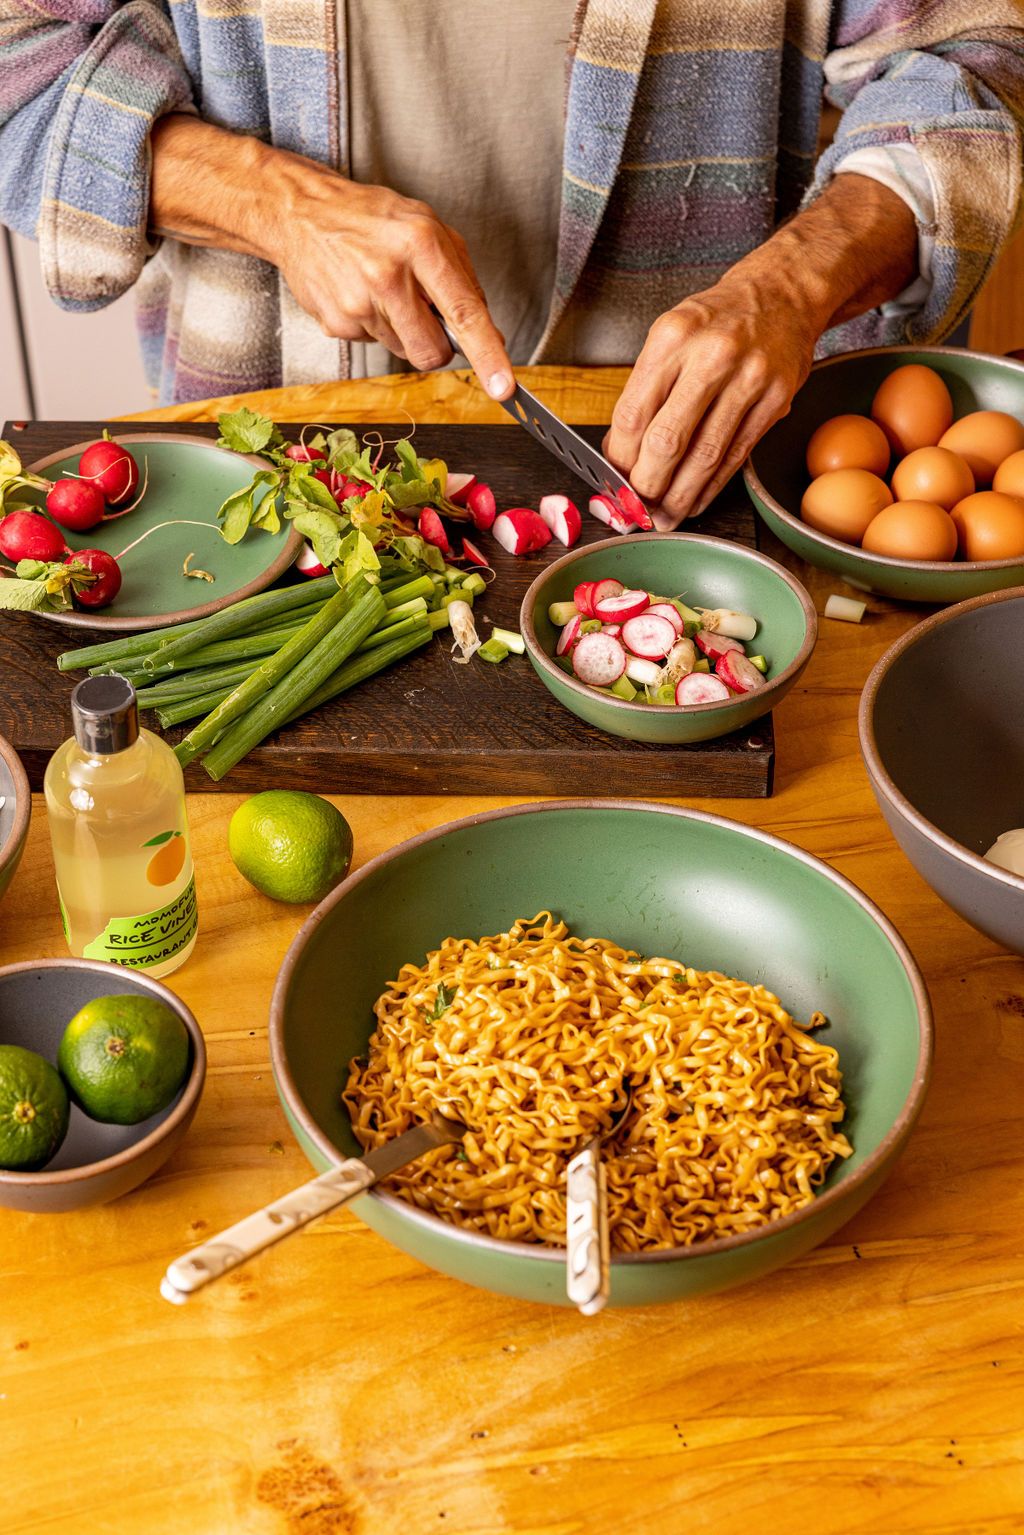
716	894
705	571
776	473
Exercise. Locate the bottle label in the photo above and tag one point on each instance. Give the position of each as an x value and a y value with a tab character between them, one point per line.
150	939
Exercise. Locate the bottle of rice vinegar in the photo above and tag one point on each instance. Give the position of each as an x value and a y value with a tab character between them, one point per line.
115	799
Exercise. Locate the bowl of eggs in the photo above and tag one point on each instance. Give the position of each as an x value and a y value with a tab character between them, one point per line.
901	469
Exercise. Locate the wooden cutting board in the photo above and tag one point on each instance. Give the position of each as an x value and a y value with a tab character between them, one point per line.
425	726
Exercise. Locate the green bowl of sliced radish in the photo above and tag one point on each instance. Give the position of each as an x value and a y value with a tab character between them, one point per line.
668	637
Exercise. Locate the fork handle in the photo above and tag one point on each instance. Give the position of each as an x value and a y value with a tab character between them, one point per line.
586	1233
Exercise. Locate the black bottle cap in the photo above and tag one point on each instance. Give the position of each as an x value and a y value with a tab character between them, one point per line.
105	715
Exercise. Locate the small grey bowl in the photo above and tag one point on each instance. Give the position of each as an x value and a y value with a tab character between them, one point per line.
96	1162
14	814
942	733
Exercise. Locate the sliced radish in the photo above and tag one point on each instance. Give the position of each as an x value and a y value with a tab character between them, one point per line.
615	610
308	564
739	673
701	688
715	645
583	596
472	553
569	635
603	590
648	637
632	508
605	510
521	531
458	486
562	517
613	629
666	610
598	660
479	500
432	530
646	673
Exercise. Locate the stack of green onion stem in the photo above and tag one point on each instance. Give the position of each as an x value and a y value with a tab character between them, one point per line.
260	663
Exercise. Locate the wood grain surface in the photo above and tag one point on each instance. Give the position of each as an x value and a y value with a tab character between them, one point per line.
426	722
334	1387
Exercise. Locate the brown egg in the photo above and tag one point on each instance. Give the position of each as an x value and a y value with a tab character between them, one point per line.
990	526
984	439
847	442
1010	475
843	502
912	530
913	408
932	474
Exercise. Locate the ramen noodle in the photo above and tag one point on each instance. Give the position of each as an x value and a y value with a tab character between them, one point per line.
533	1038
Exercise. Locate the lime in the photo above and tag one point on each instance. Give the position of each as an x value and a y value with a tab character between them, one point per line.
33	1109
124	1057
292	846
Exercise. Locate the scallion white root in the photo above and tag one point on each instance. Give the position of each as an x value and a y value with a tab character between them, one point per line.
849	609
467	641
735	626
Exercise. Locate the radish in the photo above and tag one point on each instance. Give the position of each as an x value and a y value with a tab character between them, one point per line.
432	530
582	597
111	468
715	645
648	637
598	660
301	453
307	563
30	536
521	531
473	554
616	610
632	508
76	504
569	635
481	505
613	629
646	673
562	517
738	673
354	488
701	688
458	487
667	610
605	589
605	510
101	592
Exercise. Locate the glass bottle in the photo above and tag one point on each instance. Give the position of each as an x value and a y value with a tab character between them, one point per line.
115	799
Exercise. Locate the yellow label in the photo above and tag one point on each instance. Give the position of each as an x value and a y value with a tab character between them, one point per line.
150	939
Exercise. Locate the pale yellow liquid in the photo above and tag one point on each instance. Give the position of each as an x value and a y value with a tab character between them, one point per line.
102	811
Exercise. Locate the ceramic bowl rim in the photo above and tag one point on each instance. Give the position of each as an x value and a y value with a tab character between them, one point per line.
877	770
11	847
764	695
432	1224
130	625
85	1171
759	492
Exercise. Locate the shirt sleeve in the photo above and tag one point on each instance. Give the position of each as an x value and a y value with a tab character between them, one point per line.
900	168
947	81
81	84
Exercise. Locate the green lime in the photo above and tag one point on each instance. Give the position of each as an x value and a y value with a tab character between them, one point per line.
124	1057
33	1109
292	846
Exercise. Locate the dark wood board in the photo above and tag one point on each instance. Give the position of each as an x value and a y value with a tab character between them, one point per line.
425	726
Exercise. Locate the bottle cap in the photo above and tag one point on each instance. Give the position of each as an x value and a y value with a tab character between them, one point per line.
105	714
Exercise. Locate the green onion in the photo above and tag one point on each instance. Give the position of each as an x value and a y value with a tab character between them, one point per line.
562	613
239	618
759	661
195	684
189	708
355	671
475	582
510	639
493	650
623	688
421	587
238	648
438	620
403	609
460	594
703	665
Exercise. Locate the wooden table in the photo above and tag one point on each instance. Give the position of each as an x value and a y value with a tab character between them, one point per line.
337	1388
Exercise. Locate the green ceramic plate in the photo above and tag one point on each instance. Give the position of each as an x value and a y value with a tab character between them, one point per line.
663	880
708	571
776	474
189	477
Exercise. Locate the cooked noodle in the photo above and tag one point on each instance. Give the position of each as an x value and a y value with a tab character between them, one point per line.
529	1038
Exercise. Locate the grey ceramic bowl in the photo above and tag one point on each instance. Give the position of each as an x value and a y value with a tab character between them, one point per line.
776	473
97	1162
942	733
14	814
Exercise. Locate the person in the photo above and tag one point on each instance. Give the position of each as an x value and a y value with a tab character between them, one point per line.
294	187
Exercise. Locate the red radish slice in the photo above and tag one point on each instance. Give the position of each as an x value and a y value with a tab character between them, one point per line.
458	486
432	530
615	610
605	510
701	688
472	553
632	508
735	670
562	517
302	453
521	531
648	637
598	660
715	645
582	597
308	564
603	590
569	635
613	629
666	610
482	506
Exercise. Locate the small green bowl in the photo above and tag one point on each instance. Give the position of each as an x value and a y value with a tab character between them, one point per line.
776	471
15	813
656	878
708	571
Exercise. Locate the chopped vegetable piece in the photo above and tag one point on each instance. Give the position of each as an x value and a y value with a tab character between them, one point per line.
562	517
848	609
682	658
598	660
671	612
458	487
737	673
582	598
697	689
605	589
510	639
715	645
561	613
492	650
460	621
474	555
703	665
605	510
617	608
759	661
569	635
623	689
521	530
648	637
475	584
479	500
646	673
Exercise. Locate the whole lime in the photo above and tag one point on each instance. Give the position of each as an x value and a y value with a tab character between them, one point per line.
124	1057
291	845
34	1109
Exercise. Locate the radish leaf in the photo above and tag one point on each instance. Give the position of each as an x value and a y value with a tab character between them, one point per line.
243	431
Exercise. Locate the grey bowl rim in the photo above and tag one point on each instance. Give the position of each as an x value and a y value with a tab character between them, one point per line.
83	1172
759	492
879	775
890	1143
766	694
11	847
